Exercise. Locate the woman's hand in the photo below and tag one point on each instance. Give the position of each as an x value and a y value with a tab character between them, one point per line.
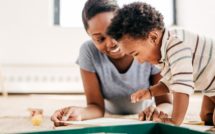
66	114
152	114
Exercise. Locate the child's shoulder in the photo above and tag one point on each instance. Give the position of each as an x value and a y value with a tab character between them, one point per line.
185	34
179	32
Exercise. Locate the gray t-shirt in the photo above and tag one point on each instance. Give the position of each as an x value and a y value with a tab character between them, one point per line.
116	87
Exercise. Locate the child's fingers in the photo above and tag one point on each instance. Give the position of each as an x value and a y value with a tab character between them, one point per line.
156	116
143	95
134	98
147	114
138	98
167	120
140	95
151	110
162	115
141	116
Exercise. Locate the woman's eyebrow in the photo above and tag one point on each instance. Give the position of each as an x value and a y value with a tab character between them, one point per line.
96	34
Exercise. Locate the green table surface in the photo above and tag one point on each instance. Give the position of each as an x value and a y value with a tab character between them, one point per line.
148	128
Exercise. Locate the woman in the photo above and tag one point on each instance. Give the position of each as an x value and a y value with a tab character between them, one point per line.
109	76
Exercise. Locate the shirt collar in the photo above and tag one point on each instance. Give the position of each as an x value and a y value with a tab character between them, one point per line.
163	48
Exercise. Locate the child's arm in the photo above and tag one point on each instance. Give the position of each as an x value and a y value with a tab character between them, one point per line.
180	105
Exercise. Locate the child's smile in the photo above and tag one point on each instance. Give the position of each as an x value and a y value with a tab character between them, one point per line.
143	50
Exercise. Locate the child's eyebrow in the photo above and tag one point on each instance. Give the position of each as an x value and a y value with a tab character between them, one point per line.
131	52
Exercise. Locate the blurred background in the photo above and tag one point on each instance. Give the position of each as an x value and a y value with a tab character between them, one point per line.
40	40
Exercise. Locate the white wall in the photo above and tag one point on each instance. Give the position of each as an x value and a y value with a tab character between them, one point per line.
27	24
197	16
29	44
32	49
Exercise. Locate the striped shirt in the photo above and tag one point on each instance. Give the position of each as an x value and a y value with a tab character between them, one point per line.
188	62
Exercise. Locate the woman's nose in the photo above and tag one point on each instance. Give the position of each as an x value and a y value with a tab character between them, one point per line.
111	43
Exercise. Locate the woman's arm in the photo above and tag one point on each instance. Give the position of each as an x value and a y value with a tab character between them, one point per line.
95	101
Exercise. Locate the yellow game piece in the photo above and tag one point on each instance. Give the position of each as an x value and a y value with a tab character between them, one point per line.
36	120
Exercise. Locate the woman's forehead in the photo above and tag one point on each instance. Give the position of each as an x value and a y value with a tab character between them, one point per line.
100	22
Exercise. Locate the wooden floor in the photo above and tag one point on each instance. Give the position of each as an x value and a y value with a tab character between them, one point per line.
14	115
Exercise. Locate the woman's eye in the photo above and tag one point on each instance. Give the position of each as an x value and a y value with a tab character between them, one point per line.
101	39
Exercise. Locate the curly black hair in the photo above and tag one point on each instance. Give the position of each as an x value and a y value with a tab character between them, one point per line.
136	20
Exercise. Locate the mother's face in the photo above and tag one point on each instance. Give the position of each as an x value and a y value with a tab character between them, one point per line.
97	31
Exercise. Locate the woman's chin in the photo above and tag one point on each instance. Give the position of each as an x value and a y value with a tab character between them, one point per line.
116	56
154	62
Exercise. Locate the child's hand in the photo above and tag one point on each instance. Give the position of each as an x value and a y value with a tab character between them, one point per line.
66	114
152	114
163	118
140	95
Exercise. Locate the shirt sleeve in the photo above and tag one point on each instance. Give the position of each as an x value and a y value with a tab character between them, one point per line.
179	58
85	58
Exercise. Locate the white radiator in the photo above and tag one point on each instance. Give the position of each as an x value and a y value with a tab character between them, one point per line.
41	79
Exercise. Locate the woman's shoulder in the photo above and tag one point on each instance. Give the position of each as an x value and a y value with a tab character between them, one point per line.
88	51
88	46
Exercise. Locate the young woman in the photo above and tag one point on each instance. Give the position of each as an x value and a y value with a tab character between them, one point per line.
110	76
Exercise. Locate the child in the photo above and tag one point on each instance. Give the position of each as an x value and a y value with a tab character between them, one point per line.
186	59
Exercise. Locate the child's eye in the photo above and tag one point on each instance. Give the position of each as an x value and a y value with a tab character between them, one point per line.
136	54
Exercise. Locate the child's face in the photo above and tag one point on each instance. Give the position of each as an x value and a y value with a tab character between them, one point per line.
142	49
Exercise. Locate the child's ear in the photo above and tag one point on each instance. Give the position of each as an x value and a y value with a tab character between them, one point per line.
153	36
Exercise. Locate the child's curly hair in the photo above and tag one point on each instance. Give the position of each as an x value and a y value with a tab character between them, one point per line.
136	20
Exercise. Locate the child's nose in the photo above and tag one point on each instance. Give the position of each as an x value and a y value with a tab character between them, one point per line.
138	59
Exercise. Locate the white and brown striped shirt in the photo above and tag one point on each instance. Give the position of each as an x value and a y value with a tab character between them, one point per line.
188	62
